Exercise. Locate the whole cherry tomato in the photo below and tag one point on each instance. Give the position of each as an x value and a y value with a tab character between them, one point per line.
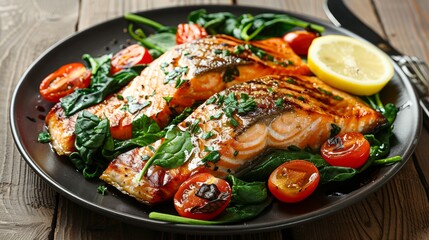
346	150
300	41
294	181
202	196
132	55
64	81
187	32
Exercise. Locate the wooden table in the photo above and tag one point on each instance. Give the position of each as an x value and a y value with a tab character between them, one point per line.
30	209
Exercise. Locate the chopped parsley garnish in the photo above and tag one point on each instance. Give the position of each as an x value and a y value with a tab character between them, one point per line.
176	76
195	127
212	156
44	137
102	190
279	102
230	74
163	66
207	135
336	97
119	97
239	49
328	93
167	99
245	104
218	51
134	106
291	81
301	98
233	122
235	153
231	105
216	115
211	100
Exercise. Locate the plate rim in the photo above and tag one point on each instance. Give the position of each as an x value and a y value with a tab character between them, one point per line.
207	229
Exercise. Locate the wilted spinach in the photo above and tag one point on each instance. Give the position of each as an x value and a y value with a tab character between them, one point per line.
245	27
92	136
102	85
173	152
275	158
248	26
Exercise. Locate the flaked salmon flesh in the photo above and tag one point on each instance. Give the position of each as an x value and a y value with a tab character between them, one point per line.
184	75
287	111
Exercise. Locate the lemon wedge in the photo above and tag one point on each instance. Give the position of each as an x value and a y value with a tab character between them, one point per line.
349	64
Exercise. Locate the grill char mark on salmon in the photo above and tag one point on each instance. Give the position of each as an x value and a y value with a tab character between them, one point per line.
304	119
186	74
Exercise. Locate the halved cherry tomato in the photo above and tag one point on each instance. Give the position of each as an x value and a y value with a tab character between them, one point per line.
187	32
132	55
294	181
346	150
300	41
64	81
203	196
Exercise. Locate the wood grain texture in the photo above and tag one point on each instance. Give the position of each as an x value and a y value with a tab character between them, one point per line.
407	26
27	204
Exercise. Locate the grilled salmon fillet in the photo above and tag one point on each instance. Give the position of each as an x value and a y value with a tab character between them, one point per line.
241	123
184	75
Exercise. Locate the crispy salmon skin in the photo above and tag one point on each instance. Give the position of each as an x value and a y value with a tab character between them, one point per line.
184	75
234	127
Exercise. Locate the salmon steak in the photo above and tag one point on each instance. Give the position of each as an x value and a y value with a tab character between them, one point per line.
184	75
233	128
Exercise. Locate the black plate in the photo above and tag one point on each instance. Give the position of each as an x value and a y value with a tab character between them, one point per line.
26	123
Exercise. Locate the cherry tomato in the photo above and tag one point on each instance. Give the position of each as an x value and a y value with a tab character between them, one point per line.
202	196
346	150
300	41
129	57
64	81
189	32
294	181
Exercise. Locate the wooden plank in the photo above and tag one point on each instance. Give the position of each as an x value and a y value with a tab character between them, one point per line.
406	24
26	28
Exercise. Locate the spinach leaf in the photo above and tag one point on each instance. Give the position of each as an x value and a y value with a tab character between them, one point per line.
247	26
247	192
144	132
102	85
44	137
275	158
383	138
173	152
242	212
92	135
214	23
163	41
333	173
